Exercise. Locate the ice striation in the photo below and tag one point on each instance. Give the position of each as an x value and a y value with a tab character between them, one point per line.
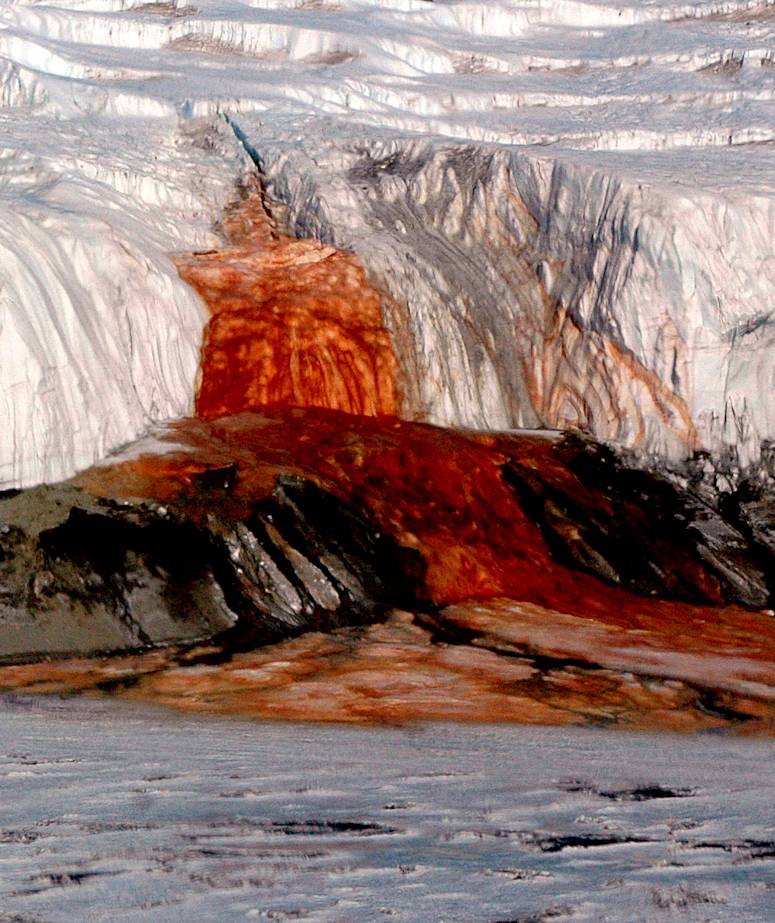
99	336
570	204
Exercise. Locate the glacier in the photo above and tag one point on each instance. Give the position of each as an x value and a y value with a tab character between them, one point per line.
99	335
569	206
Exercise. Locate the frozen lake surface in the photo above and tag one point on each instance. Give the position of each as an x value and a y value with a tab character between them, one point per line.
113	812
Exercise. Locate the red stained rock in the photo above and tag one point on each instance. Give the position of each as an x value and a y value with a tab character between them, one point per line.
504	630
439	491
560	646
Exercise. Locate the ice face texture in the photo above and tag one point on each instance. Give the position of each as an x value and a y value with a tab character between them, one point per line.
583	236
293	322
549	291
98	334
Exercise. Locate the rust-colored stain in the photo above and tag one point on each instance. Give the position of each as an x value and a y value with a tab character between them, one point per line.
504	631
439	491
395	673
581	379
293	322
620	658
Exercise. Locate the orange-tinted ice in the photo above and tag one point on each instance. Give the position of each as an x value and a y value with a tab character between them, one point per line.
293	322
395	672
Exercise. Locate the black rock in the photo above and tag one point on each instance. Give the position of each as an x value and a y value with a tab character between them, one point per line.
639	529
88	576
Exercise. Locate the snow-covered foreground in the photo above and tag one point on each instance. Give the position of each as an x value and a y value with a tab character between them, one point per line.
582	236
109	812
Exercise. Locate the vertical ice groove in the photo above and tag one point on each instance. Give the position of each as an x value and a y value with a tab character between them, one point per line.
544	292
99	336
583	238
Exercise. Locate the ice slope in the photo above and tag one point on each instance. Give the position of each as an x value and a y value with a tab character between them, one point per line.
582	235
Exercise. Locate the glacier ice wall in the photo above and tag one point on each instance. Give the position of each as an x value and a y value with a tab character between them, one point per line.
98	335
571	204
543	291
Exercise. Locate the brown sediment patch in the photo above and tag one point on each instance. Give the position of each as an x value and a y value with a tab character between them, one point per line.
199	43
399	672
293	322
165	8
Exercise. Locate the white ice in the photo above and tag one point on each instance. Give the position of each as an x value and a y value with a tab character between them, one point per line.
623	174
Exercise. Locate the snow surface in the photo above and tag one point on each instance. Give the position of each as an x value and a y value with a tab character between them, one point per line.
111	812
622	151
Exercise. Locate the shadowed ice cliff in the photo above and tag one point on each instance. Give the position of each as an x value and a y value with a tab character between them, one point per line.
533	291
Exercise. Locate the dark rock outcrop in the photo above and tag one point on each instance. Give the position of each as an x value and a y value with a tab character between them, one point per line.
639	529
263	527
309	564
85	575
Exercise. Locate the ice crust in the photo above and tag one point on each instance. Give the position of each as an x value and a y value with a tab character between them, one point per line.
119	812
571	203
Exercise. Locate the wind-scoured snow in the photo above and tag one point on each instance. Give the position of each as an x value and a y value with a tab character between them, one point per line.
112	813
603	258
